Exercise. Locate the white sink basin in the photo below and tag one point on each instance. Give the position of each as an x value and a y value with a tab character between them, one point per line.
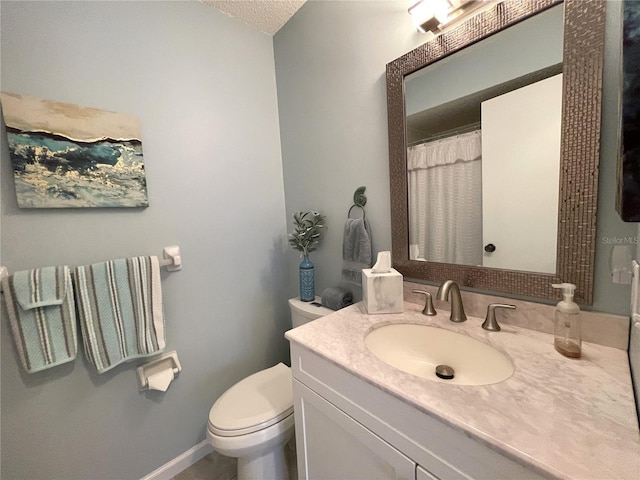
419	349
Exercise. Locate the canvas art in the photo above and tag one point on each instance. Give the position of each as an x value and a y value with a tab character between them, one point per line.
628	199
68	156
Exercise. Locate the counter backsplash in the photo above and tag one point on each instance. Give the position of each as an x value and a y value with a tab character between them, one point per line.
601	328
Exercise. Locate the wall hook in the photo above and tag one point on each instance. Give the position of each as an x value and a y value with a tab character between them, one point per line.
359	198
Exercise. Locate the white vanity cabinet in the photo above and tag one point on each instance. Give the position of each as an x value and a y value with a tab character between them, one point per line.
347	428
335	446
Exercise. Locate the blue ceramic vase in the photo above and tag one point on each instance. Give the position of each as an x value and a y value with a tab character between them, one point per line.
307	285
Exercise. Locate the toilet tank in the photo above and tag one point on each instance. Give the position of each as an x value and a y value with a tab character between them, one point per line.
303	312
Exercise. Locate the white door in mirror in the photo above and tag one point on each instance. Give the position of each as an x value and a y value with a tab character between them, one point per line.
525	125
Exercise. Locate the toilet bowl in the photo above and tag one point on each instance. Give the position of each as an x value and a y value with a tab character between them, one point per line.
253	420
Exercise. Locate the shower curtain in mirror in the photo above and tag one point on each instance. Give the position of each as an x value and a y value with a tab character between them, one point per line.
445	200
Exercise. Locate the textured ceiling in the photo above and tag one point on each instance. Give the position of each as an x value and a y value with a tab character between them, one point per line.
267	16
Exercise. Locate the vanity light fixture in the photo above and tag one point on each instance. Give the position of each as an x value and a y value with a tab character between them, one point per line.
433	15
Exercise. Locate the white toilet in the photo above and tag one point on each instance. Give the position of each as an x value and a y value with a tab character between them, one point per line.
253	420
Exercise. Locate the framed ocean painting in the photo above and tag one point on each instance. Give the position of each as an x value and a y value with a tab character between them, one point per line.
68	156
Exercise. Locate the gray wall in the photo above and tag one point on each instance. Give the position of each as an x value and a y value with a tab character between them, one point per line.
330	66
203	86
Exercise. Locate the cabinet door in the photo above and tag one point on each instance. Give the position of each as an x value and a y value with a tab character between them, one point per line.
331	445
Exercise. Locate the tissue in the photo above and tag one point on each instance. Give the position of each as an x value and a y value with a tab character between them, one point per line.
382	290
383	263
161	380
159	372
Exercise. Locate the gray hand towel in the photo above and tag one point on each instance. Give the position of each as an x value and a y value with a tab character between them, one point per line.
357	252
336	298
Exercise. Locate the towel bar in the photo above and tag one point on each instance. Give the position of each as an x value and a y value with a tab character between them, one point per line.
172	260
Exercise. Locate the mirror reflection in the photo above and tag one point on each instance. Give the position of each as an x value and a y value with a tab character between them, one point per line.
483	159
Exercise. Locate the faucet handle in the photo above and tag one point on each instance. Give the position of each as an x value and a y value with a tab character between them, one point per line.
428	306
490	322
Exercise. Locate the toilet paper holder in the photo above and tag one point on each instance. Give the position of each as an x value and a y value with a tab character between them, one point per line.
157	365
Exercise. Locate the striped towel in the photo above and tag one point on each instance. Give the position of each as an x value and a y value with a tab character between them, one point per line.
120	309
42	316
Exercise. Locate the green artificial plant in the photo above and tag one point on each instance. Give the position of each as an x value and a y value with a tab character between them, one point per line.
307	232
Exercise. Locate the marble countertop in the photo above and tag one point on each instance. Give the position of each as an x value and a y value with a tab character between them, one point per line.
568	418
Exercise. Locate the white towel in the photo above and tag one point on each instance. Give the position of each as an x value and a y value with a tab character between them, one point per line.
120	310
42	316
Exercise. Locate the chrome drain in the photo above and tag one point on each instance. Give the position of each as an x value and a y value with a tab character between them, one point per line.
445	372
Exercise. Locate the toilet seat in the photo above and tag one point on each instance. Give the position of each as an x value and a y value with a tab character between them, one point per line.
254	403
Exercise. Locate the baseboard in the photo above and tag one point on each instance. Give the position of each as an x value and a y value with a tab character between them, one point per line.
180	463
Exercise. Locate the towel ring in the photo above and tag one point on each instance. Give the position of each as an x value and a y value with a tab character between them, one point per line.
359	200
352	207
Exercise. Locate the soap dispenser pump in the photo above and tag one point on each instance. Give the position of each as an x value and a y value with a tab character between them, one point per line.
568	338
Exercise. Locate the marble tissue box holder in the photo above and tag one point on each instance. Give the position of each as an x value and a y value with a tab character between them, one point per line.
382	290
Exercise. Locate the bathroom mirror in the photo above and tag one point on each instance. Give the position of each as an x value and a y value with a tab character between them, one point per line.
577	168
491	133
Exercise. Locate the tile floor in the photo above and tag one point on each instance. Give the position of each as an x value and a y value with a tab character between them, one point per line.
217	467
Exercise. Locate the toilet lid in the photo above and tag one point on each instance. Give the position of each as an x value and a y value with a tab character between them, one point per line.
254	403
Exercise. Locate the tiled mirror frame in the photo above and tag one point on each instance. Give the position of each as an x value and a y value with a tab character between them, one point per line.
582	93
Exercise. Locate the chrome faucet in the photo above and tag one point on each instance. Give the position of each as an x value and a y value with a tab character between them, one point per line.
490	322
457	309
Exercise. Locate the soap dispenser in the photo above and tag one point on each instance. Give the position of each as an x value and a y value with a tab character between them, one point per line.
568	338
